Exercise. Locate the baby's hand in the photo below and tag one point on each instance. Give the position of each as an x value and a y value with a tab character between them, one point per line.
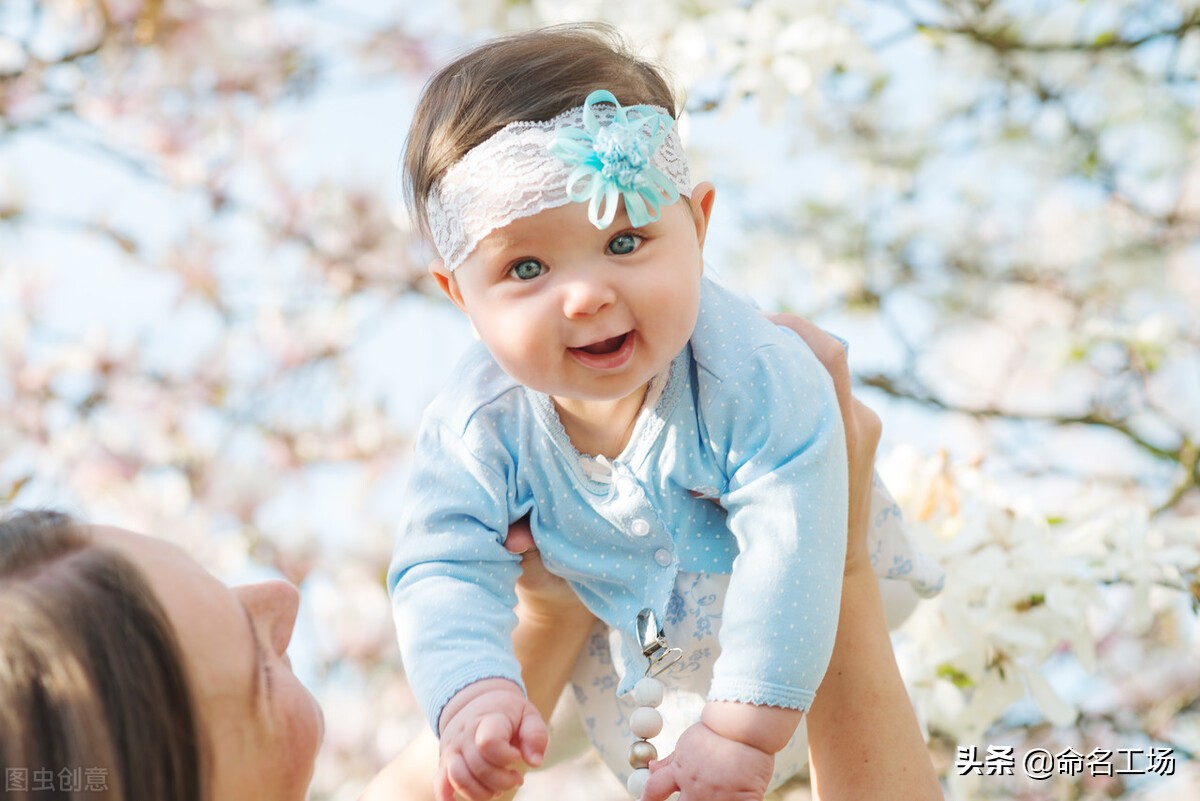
708	767
485	738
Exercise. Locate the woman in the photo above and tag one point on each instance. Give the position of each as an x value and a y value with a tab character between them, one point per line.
123	660
121	656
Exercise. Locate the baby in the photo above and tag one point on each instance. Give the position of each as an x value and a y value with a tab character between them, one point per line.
681	460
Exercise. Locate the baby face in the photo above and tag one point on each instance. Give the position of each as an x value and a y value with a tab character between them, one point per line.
581	313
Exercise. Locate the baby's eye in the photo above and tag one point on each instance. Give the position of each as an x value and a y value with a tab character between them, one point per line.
527	269
622	244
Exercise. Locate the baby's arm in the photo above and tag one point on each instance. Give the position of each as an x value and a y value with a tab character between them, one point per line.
787	501
864	741
452	584
863	737
488	728
552	627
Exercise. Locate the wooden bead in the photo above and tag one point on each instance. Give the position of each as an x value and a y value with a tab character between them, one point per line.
637	782
641	753
645	722
648	692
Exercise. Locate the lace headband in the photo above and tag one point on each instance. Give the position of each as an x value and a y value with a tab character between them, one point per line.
599	152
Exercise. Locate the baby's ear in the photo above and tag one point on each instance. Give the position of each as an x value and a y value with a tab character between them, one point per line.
701	202
445	281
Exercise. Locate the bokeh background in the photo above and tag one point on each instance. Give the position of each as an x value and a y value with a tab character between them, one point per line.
215	323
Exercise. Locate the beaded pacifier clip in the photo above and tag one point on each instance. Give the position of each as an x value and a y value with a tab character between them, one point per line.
646	721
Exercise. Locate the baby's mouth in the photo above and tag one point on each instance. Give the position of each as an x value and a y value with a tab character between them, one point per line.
607	354
610	345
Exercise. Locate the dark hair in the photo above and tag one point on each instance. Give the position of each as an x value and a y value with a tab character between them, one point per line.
529	76
91	675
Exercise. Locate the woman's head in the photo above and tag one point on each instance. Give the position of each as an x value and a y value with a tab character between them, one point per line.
121	655
529	76
91	675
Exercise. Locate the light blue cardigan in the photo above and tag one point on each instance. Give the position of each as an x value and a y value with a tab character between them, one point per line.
747	415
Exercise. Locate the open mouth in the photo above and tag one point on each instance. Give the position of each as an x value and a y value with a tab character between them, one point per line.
607	353
611	345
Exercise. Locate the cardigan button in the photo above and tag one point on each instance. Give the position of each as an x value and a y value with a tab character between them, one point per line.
663	557
639	527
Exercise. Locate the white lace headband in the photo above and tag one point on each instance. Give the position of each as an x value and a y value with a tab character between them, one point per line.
597	153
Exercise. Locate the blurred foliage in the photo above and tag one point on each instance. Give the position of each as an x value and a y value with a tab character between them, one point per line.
1006	192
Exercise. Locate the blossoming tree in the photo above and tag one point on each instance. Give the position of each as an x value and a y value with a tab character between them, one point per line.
998	202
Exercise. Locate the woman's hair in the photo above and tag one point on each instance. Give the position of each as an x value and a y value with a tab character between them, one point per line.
92	681
528	76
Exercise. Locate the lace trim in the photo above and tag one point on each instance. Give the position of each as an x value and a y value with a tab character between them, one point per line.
598	468
514	175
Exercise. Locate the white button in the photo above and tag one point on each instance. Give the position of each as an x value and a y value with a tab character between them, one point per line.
662	556
639	527
626	486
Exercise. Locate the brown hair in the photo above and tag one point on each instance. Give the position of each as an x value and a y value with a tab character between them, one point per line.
91	675
529	76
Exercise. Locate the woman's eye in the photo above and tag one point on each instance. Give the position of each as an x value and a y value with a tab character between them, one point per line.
622	244
527	270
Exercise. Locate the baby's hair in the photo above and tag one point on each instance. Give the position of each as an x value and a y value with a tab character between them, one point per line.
529	76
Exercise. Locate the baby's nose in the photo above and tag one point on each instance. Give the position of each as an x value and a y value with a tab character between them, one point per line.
584	297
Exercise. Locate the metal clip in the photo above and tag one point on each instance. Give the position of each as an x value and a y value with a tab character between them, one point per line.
654	644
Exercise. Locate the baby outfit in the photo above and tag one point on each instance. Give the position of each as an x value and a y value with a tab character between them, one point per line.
737	459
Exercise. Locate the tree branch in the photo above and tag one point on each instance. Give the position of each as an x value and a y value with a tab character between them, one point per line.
889	386
1004	41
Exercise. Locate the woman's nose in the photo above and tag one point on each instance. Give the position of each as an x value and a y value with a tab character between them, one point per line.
273	606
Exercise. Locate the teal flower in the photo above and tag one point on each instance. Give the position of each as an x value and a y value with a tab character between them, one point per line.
614	161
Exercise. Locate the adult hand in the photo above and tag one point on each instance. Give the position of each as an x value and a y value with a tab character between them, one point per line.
538	590
864	741
862	426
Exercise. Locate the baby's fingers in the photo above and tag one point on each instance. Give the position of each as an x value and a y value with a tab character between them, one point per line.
533	737
493	740
464	782
496	778
443	790
662	781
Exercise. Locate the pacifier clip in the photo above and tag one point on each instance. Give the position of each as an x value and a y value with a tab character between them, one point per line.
646	721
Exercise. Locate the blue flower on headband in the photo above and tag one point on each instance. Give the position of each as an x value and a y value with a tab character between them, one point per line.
614	160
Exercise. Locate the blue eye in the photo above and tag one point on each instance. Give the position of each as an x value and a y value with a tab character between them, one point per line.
527	269
623	244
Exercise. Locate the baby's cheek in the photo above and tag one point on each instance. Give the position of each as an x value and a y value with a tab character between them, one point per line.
527	359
